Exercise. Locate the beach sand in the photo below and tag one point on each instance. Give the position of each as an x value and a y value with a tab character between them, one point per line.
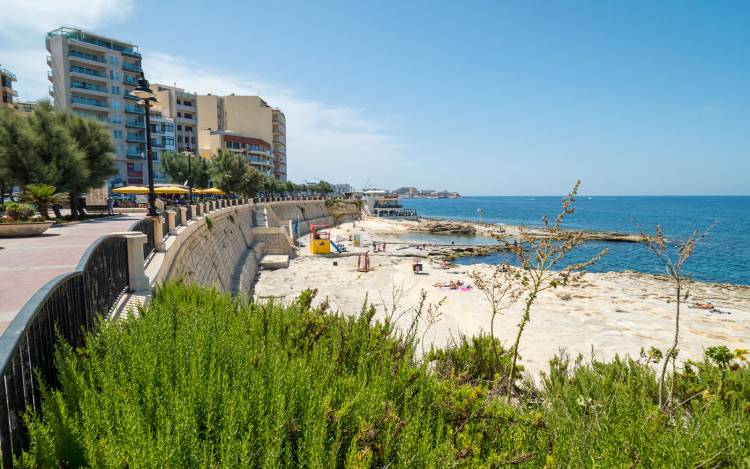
606	314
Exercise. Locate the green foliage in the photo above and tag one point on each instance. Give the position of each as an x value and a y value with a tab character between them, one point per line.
209	223
472	360
18	212
42	196
176	167
201	380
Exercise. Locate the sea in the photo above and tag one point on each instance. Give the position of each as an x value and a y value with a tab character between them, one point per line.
722	255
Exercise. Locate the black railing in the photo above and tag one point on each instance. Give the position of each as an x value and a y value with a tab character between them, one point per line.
65	308
146	226
164	224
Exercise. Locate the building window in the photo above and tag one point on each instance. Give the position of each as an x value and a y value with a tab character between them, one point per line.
188	128
167	128
117	133
188	103
114	75
114	60
192	139
116	104
179	127
115	89
179	101
179	114
168	141
188	115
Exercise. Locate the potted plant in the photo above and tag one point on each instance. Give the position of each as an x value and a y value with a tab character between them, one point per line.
19	220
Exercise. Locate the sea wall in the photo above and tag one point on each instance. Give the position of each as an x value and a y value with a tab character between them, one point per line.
223	249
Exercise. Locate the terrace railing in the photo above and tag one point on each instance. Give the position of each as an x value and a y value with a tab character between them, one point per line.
65	308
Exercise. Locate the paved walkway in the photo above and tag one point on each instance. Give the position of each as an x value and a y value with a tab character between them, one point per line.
26	264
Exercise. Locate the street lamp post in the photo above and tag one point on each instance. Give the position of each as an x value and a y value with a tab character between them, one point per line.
189	155
143	91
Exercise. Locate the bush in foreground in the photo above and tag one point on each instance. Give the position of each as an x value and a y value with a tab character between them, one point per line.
200	380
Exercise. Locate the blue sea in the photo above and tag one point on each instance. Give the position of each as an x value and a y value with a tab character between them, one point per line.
722	256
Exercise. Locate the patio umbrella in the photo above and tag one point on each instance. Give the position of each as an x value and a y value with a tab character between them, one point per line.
211	191
131	190
170	190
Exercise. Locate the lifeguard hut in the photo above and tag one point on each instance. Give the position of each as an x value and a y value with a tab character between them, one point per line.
320	239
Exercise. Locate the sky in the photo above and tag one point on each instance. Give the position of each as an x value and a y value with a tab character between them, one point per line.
480	97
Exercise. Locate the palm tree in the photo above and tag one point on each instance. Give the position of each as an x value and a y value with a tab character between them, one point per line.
42	196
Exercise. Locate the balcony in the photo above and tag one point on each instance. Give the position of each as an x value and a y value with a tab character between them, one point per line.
89	88
134	109
88	103
74	55
128	80
135	123
86	39
87	73
135	138
134	154
131	67
129	95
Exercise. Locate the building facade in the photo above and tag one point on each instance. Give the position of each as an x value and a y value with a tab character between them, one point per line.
244	124
182	106
7	93
279	144
93	75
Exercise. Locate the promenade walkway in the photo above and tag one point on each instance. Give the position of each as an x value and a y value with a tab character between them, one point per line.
26	264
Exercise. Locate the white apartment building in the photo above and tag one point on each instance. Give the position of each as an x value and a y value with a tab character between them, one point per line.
92	75
162	141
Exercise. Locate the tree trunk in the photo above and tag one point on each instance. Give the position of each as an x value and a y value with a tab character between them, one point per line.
44	210
73	205
673	348
521	326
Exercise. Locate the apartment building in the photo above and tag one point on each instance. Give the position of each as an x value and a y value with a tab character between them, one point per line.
162	141
92	75
243	124
7	93
279	144
182	106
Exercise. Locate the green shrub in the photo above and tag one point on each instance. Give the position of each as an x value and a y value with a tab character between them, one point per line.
18	212
202	380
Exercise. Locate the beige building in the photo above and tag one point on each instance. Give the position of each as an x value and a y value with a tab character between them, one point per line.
182	106
92	75
279	145
7	93
243	124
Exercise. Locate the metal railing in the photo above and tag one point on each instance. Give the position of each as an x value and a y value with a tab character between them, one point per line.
146	226
65	308
164	224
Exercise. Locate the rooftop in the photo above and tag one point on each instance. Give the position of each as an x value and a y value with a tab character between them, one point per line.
96	39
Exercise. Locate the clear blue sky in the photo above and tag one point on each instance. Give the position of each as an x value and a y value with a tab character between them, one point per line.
480	97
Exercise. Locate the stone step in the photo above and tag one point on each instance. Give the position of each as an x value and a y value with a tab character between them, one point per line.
274	261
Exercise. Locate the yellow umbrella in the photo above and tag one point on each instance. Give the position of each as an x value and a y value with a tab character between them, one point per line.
170	190
131	190
211	191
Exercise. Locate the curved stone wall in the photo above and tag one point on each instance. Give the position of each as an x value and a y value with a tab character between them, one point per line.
223	249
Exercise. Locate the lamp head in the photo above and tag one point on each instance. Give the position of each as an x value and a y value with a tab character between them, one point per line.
143	90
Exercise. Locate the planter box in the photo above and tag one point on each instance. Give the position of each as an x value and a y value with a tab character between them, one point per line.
12	230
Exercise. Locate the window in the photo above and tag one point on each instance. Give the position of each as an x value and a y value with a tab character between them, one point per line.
179	114
179	101
154	128
179	127
115	89
188	115
188	128
114	60
116	119
114	75
117	133
167	128
188	103
168	141
191	138
116	104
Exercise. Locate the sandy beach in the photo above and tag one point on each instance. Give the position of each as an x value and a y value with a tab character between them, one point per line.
606	314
